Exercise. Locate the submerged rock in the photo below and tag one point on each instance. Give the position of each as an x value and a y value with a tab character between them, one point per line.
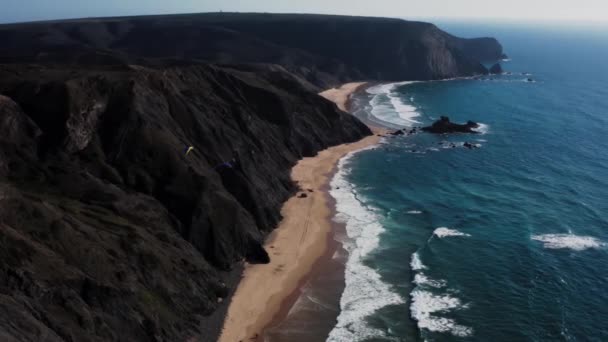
444	125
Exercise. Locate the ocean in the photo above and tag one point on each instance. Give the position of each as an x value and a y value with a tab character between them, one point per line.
507	241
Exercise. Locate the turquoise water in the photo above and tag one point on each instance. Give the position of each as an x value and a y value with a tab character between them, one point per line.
505	242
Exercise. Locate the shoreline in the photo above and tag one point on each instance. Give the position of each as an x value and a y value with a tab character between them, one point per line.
300	244
319	277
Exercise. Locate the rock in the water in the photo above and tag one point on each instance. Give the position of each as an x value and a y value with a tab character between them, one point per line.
496	69
397	132
444	125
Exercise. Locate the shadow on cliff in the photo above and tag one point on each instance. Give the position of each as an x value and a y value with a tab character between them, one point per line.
109	231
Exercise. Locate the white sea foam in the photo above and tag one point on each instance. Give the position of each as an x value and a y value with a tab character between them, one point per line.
414	212
425	305
482	129
406	111
389	107
365	292
442	232
383	110
568	241
422	280
416	264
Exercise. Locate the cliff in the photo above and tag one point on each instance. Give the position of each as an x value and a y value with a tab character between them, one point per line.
325	50
135	176
109	231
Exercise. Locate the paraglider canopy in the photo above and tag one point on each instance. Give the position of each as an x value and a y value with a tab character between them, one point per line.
189	149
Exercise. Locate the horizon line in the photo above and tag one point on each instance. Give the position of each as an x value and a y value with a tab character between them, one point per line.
587	21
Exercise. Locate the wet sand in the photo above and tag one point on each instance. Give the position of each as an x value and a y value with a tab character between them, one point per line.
297	246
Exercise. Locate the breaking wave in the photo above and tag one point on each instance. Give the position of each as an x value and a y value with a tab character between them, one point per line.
427	305
482	129
388	106
442	232
568	241
364	291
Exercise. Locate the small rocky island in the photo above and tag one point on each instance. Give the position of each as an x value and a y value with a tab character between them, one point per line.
444	125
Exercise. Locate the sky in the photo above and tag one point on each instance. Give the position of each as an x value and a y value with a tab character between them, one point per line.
547	10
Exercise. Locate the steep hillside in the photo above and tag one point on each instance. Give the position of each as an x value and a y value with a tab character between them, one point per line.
325	50
108	229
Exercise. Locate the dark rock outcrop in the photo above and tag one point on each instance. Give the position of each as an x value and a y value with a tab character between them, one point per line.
108	230
444	125
496	69
481	49
324	50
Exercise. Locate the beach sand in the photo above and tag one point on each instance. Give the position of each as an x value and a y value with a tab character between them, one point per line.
302	237
340	96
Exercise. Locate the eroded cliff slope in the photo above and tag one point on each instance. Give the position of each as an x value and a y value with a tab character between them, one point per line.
108	230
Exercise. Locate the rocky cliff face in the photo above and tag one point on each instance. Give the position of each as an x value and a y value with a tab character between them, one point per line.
108	230
324	50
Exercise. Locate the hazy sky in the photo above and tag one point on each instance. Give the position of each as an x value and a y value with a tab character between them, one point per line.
576	10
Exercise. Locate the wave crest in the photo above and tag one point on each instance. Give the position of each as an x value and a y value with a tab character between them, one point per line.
425	304
416	264
568	241
442	232
386	103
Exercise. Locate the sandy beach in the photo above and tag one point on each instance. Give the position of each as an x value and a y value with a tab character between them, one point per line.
340	96
301	238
